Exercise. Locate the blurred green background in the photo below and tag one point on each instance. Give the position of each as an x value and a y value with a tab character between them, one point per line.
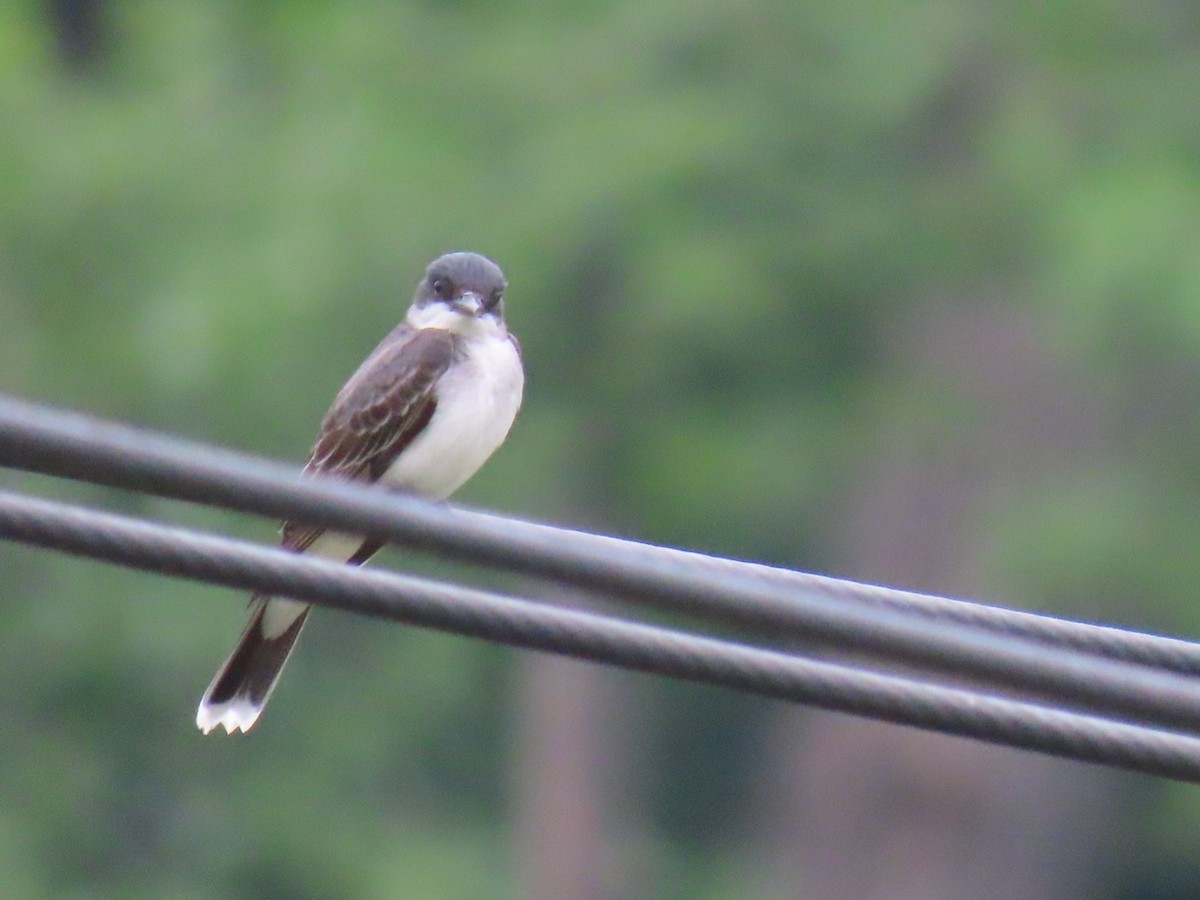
907	292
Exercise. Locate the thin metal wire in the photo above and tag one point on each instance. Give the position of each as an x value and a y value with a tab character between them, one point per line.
57	428
1156	651
70	445
519	623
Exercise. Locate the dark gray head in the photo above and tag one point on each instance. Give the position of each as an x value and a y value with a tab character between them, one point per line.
465	282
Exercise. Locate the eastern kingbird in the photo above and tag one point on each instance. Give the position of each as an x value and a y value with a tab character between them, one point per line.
422	414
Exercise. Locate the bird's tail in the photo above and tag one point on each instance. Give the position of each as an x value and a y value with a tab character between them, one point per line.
243	684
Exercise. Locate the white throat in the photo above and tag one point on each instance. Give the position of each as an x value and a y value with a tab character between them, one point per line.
439	315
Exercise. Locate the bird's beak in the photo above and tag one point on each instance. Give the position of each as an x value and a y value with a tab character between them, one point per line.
470	304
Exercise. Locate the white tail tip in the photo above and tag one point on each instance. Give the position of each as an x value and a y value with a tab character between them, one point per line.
238	714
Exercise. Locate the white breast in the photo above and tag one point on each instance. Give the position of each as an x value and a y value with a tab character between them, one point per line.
478	399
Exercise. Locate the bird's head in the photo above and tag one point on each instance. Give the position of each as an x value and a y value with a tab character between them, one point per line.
459	288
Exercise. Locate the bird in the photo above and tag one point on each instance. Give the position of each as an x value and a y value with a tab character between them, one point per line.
421	415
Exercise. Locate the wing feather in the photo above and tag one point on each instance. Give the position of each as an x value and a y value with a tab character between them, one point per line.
386	404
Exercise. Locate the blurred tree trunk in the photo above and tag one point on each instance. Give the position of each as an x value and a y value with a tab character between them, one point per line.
79	30
576	809
573	801
857	810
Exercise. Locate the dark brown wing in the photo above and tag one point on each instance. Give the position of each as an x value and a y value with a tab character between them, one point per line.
386	404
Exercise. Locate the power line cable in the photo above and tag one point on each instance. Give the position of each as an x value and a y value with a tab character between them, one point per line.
520	623
72	445
1170	654
79	447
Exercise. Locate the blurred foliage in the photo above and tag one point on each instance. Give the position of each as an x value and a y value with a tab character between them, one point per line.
730	230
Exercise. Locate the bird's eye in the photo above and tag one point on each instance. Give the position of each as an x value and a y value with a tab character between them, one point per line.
497	296
443	287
